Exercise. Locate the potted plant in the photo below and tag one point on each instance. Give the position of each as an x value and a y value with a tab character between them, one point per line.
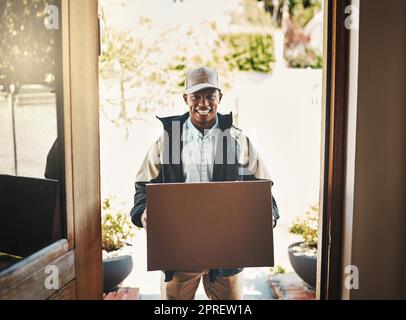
116	230
303	255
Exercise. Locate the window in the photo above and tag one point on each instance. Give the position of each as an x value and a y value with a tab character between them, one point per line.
31	128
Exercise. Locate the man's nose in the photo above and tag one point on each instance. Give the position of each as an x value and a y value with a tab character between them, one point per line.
203	102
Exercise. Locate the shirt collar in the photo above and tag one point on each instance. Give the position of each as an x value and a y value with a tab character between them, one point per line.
193	133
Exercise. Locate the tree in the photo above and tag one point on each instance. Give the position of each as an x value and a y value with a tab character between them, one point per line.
299	11
292	16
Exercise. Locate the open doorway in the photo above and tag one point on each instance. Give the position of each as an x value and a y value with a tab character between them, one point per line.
268	55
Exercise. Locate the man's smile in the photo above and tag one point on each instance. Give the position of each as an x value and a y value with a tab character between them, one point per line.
203	111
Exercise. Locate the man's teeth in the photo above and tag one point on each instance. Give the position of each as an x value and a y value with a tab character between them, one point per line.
204	112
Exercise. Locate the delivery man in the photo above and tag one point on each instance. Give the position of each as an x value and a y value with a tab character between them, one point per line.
201	145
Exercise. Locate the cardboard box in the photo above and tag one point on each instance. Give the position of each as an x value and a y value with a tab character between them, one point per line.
209	225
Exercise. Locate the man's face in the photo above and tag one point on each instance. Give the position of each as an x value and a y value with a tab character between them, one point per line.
203	107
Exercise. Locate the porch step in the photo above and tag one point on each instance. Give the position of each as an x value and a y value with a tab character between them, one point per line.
289	286
123	294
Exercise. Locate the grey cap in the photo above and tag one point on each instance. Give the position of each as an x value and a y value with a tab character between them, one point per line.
201	78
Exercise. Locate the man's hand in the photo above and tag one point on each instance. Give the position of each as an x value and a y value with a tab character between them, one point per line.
144	219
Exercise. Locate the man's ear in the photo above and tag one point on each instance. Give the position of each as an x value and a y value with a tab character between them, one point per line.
185	98
220	96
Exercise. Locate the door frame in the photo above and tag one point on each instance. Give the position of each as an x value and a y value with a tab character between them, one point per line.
80	29
333	149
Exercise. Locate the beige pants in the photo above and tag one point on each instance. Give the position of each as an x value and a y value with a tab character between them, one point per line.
183	286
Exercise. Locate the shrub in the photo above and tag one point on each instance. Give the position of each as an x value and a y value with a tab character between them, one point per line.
307	226
116	227
249	51
307	58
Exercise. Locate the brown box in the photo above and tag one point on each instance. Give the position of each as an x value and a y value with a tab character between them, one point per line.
209	225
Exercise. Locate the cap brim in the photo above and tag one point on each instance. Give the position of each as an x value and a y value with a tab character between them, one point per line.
200	86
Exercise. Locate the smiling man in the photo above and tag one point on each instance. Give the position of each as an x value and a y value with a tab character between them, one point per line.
202	95
201	145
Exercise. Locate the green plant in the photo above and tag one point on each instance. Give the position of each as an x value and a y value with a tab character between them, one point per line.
116	227
307	58
306	226
277	270
249	51
302	11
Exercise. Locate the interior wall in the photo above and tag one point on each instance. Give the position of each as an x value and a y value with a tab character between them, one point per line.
375	211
